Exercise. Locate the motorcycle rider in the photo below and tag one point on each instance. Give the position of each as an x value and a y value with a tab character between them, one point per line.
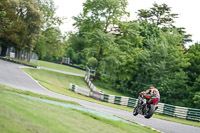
151	95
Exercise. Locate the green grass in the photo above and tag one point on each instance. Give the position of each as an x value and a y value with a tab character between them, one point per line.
60	67
20	114
177	120
28	93
54	81
105	88
59	83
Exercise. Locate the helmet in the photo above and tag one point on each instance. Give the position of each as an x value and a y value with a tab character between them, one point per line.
152	88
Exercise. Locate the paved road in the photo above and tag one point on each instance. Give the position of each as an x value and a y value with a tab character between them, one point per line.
12	75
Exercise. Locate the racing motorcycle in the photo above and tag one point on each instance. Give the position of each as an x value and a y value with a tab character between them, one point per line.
144	107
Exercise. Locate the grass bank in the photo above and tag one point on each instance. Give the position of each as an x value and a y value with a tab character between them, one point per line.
60	67
109	90
20	114
28	93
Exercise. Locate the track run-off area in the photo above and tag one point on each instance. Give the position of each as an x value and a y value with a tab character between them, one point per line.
11	75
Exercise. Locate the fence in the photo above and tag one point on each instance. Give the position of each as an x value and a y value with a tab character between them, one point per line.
66	60
24	55
166	109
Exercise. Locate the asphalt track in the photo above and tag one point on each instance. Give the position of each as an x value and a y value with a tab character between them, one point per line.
12	75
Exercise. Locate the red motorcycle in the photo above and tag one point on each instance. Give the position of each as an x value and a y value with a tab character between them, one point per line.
145	107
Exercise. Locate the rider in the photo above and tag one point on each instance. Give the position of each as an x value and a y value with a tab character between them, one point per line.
152	95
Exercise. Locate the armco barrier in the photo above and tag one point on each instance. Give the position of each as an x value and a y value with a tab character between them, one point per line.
89	83
160	108
180	112
132	102
105	97
111	99
169	110
166	109
73	87
97	95
124	101
108	98
83	91
193	114
117	100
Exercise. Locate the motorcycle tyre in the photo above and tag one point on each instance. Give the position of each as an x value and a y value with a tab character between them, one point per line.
135	111
151	111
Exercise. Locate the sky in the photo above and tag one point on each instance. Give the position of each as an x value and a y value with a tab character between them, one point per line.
188	11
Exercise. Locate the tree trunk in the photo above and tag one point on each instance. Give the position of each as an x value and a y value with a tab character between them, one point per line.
97	75
4	50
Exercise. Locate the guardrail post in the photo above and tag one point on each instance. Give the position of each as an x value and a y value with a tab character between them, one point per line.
117	100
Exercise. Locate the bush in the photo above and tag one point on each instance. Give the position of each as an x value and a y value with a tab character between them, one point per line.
92	62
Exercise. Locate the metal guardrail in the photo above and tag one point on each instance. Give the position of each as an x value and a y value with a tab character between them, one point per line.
79	90
166	109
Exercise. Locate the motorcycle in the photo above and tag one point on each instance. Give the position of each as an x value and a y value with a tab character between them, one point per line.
144	107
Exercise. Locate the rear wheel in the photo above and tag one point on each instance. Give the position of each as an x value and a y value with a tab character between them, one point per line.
135	111
150	109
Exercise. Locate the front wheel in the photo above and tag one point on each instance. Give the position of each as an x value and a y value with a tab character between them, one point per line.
149	112
135	111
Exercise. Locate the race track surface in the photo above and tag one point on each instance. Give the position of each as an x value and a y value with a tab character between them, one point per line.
12	75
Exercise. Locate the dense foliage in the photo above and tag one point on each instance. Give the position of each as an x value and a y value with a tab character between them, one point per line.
31	25
20	24
129	56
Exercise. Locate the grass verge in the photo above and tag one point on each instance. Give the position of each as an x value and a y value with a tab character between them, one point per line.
177	120
20	114
107	89
28	93
60	67
59	83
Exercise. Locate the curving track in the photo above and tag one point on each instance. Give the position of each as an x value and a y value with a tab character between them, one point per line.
12	75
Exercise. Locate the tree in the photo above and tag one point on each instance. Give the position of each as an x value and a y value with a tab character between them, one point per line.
161	65
193	72
92	62
51	43
55	44
28	12
104	13
130	45
129	35
97	28
148	31
161	16
186	37
194	59
197	99
99	46
164	68
21	23
48	9
7	21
